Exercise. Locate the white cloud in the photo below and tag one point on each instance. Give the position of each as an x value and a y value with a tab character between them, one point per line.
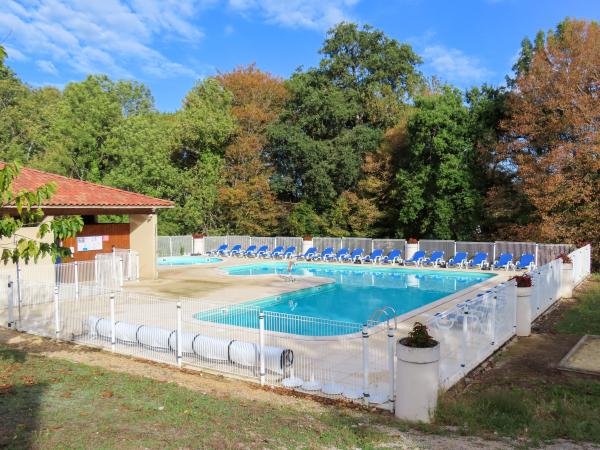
47	67
229	30
454	65
314	14
13	53
106	36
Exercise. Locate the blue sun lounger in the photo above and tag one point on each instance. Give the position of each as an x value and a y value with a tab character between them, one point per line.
218	251
416	258
338	256
235	250
308	254
504	261
355	256
250	251
261	252
324	254
394	256
479	260
460	259
525	262
374	257
437	257
277	251
289	252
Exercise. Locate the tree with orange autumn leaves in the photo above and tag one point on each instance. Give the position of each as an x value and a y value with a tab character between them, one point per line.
551	140
247	203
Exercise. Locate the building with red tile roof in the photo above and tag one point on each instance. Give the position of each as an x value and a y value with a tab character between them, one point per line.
90	200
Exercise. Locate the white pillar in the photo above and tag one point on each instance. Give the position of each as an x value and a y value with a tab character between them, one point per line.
306	244
199	244
411	249
566	280
10	305
524	311
417	382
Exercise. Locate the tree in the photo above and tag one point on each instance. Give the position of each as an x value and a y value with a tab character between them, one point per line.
337	114
551	137
246	200
28	205
434	187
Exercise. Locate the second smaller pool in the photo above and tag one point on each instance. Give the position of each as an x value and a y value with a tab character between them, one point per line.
186	260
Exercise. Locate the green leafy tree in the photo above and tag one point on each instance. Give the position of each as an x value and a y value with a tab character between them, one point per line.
434	188
28	207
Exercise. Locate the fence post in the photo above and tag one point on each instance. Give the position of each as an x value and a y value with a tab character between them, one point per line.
391	363
170	246
113	324
261	344
129	264
454	248
365	355
494	252
120	273
56	314
494	299
179	349
76	276
10	299
536	254
463	340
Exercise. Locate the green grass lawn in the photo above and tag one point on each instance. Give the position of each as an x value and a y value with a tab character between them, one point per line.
52	403
557	405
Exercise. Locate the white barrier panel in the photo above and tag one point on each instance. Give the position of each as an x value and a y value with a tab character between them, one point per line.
582	263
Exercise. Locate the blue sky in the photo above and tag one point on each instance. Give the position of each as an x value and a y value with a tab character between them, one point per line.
169	44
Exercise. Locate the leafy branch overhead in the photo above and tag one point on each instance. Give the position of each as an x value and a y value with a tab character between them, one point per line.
27	207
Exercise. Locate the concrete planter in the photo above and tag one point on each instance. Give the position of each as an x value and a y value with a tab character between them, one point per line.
417	382
524	311
566	280
199	246
411	249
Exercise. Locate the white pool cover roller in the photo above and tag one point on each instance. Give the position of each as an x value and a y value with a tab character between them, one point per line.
247	354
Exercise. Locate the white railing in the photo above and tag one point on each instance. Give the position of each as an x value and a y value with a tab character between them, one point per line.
126	259
582	263
84	303
175	245
316	355
471	331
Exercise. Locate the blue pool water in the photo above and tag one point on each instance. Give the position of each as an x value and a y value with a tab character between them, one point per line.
356	293
185	260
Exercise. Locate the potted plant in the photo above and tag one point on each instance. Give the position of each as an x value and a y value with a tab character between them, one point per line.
524	284
412	246
566	276
417	375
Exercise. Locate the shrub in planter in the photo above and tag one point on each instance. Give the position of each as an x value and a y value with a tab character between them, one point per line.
565	258
419	337
523	281
308	238
412	241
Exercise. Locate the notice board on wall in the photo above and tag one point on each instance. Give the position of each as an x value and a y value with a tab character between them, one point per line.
89	243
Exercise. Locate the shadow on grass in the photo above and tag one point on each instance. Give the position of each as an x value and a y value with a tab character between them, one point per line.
19	404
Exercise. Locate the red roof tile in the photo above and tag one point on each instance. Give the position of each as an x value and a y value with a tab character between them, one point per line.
71	192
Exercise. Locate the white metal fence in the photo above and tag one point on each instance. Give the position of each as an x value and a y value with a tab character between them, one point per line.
471	331
544	253
174	245
84	303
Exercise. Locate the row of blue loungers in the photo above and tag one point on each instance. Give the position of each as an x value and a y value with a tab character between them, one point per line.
419	259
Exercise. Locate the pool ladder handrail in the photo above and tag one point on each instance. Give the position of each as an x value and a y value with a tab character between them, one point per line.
384	311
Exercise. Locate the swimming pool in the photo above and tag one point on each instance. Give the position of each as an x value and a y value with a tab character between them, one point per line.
357	291
186	260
